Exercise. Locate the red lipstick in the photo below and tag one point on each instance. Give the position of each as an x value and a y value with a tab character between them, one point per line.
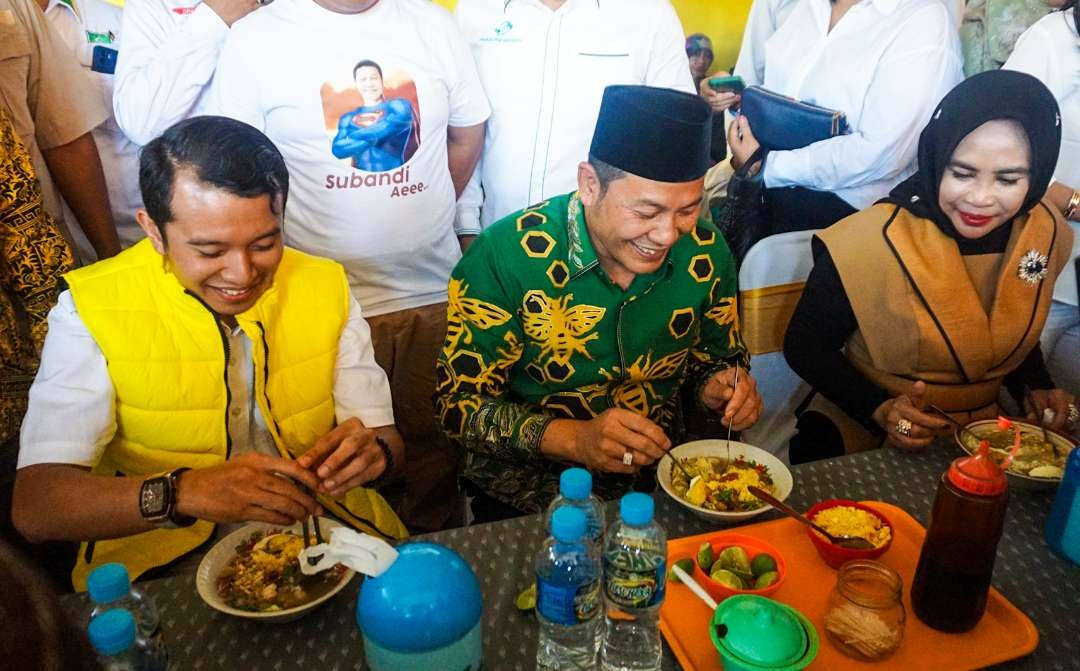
975	220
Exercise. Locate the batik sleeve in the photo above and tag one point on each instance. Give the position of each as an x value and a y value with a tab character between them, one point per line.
484	341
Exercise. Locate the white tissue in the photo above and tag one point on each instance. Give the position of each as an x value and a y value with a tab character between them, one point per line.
360	552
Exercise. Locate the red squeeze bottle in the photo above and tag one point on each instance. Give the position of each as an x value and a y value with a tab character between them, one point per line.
952	579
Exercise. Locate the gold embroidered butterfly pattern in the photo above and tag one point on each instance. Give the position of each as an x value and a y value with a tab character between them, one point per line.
636	391
463	311
560	329
724	313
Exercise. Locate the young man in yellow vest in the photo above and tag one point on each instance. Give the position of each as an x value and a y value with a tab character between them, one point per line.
223	377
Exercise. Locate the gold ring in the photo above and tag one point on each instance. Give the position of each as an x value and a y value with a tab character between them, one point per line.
903	426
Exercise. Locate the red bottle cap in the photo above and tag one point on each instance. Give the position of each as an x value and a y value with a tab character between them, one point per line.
978	474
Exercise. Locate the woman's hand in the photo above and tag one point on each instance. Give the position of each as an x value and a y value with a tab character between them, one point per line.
905	425
719	101
742	142
1058	401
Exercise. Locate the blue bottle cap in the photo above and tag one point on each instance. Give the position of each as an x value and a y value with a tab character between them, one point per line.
113	631
427	599
568	524
575	483
108	582
636	509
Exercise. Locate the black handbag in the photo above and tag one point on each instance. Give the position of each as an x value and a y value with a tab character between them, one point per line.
741	220
780	123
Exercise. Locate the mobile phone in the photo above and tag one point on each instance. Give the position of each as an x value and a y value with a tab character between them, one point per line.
104	59
732	84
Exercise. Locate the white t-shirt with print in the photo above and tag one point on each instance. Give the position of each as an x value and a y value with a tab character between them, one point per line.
384	205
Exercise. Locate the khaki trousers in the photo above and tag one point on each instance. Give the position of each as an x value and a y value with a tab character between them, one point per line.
406	344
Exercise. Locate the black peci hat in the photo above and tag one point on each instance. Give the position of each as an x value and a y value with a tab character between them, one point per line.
655	133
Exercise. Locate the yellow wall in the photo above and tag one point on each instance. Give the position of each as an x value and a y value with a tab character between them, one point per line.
721	20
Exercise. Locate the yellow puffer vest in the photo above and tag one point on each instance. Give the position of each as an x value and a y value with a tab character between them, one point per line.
166	356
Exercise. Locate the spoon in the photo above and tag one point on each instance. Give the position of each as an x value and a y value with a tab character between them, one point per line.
675	460
694	586
727	442
697	589
849	542
948	418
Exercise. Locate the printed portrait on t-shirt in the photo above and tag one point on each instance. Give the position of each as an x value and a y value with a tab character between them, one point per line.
373	120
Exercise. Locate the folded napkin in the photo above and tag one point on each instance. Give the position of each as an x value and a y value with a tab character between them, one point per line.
360	552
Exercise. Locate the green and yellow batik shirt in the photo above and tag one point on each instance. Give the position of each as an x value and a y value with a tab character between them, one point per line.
537	331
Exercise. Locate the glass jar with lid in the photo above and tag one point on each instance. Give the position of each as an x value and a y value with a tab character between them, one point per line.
864	615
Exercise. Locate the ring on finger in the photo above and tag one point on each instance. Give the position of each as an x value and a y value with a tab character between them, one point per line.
903	426
628	458
1073	416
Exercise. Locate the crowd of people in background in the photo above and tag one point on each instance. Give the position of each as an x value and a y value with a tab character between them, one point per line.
385	236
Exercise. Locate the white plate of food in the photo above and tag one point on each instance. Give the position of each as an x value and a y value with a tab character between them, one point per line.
724	485
254	573
1038	465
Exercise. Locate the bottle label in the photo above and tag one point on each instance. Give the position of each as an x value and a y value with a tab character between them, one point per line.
567	604
634	584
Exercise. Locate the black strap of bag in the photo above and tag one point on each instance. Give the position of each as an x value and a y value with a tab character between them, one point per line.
742	219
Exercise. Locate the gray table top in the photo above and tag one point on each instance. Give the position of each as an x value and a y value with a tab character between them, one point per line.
1042	585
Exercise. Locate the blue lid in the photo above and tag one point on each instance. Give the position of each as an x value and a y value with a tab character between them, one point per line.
568	524
108	582
427	599
575	483
113	631
636	509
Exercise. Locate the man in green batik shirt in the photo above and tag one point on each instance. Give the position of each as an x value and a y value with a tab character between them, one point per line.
574	324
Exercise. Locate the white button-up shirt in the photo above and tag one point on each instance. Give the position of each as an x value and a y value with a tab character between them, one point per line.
1050	50
170	52
84	26
544	73
766	16
886	64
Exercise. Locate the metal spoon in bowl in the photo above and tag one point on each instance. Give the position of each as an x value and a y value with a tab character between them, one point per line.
849	542
948	418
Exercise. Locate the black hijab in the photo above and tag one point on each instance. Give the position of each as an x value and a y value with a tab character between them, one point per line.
996	94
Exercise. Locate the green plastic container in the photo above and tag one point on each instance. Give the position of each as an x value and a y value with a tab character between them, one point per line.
754	633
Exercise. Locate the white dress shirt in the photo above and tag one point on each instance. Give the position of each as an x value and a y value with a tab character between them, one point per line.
766	16
73	383
1050	51
170	51
886	64
85	25
544	73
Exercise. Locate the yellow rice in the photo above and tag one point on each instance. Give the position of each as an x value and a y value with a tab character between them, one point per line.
849	521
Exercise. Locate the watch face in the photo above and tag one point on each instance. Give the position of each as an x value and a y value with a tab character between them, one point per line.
152	499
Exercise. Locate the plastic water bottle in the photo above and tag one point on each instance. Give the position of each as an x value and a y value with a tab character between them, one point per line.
634	573
575	489
1063	525
120	648
110	587
567	594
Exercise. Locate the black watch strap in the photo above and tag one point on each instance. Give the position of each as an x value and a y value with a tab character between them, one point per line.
175	518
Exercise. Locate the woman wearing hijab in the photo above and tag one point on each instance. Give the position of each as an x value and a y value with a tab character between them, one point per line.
938	293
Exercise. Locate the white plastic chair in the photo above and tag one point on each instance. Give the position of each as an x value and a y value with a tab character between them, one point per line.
771	280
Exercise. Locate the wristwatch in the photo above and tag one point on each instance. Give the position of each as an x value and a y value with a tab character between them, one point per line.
157	501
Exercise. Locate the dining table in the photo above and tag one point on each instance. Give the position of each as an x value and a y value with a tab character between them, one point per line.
1041	584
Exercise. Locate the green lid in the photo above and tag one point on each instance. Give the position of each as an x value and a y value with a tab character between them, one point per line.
758	630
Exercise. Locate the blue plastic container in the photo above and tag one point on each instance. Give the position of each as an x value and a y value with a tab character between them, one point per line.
422	613
1063	525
